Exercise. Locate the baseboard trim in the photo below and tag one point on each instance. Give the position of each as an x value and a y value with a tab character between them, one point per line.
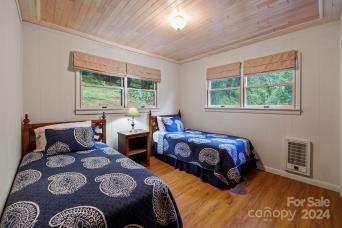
318	183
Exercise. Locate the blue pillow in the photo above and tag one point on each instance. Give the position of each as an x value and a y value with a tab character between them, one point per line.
60	141
173	124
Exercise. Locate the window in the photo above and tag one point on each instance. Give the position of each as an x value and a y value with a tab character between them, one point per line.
225	92
141	93
270	82
100	91
272	89
265	90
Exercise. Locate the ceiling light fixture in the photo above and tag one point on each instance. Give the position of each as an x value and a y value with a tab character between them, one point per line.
178	21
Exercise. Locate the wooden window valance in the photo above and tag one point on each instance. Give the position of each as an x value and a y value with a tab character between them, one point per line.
83	61
225	71
281	61
143	72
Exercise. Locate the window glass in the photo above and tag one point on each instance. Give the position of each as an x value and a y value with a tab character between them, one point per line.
225	92
271	78
101	91
274	95
225	83
225	97
140	84
95	97
273	88
93	79
141	98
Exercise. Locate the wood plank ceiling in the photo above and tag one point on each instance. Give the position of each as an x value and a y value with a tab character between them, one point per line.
142	25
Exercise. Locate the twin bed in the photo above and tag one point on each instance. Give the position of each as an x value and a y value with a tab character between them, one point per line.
221	160
90	188
100	187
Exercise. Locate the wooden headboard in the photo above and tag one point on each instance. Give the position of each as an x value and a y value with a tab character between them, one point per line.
28	137
153	124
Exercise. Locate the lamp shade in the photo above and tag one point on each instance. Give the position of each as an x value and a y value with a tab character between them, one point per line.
132	112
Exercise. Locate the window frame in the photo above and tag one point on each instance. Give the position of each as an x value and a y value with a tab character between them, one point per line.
277	109
209	90
111	109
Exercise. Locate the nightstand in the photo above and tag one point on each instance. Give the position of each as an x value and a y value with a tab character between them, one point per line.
135	145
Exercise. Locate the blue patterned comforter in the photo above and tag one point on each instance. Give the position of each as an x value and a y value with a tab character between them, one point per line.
95	188
227	157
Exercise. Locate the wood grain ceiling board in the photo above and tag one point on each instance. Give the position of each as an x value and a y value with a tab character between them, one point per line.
212	26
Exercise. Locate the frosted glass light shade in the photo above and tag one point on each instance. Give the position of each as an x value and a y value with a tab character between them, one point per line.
178	22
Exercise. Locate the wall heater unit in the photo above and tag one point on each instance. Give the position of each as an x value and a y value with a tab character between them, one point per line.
298	156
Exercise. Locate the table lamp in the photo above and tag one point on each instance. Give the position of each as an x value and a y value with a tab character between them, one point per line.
132	112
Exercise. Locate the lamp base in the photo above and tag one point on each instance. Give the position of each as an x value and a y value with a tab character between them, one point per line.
132	124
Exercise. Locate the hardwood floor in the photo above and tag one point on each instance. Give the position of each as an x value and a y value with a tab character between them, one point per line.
202	205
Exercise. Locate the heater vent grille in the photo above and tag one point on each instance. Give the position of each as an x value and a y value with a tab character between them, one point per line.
298	156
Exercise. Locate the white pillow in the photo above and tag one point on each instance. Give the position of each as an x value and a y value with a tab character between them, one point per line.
40	132
161	125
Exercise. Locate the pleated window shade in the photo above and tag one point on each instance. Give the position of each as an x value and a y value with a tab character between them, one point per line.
88	62
143	72
83	61
281	61
225	71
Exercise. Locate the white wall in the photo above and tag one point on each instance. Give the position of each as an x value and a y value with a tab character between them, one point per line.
10	95
320	102
49	91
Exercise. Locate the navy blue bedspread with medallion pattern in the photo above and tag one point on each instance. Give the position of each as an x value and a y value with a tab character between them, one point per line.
221	160
94	188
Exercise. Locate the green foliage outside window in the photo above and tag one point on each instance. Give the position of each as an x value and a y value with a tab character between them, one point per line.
100	90
274	88
225	97
225	83
141	98
270	78
140	84
93	79
225	91
96	97
141	93
277	95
